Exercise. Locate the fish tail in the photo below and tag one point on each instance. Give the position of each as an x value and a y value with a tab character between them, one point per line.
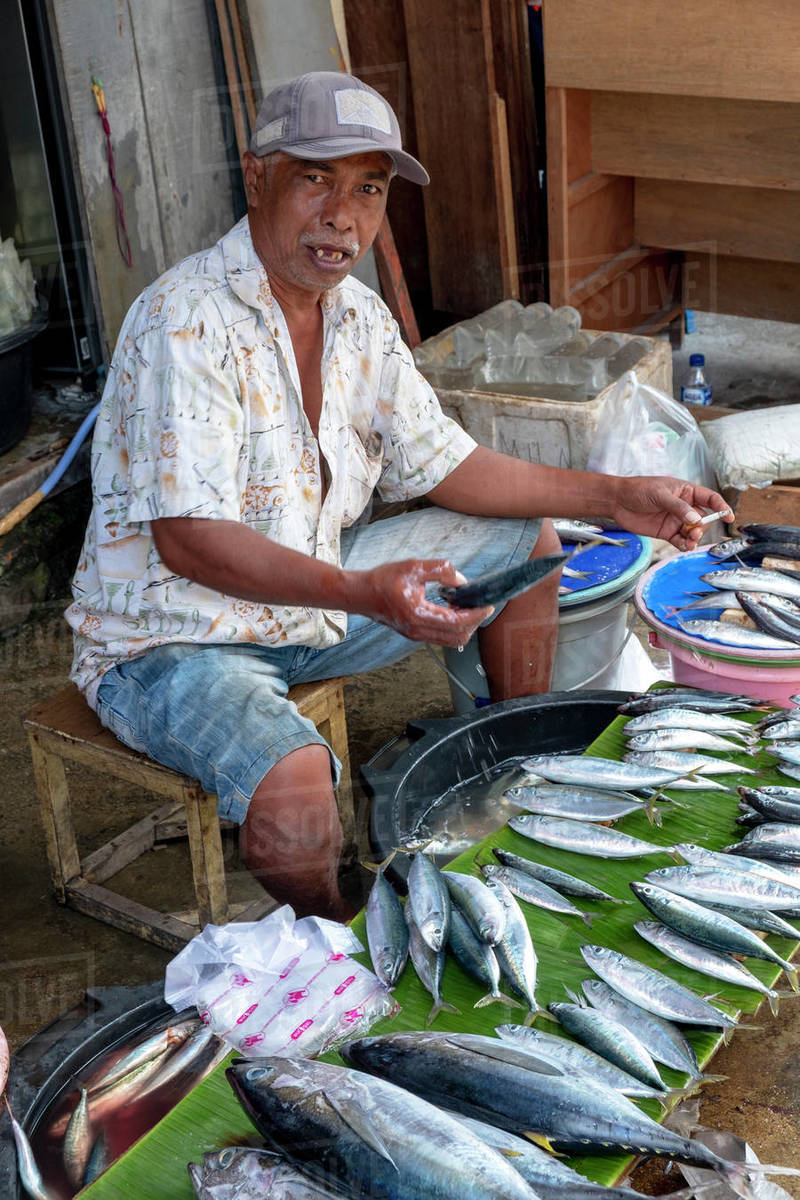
701	1079
587	918
678	1094
744	1177
772	997
791	975
441	1006
499	998
378	867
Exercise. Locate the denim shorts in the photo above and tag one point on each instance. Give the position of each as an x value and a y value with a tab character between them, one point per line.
220	714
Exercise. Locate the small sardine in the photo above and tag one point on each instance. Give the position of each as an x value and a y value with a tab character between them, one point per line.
185	1059
29	1173
480	906
429	900
157	1044
728	548
561	881
587	771
583	531
429	965
596	840
78	1141
533	891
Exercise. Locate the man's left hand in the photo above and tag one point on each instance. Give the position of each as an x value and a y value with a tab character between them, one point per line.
663	507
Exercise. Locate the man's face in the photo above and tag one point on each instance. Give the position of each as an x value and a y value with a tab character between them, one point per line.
312	221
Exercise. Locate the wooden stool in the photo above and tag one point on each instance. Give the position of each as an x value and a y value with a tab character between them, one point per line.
64	728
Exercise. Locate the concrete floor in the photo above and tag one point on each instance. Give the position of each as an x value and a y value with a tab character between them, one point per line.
749	363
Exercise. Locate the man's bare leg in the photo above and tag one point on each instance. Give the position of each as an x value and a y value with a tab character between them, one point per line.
291	839
519	647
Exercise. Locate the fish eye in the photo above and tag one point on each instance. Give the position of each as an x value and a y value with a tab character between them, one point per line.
256	1073
226	1156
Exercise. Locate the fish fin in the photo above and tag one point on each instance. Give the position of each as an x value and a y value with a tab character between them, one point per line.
354	1118
588	918
500	998
711	1078
673	853
378	868
791	975
440	1006
539	1139
654	816
575	997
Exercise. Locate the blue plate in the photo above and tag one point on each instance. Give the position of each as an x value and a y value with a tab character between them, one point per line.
608	567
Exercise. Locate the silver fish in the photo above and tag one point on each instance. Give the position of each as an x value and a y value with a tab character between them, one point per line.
686	739
561	881
652	990
720	885
478	959
760	920
710	601
157	1044
514	950
480	906
611	1039
729	547
715	963
29	1173
368	1136
770	808
525	887
429	965
753	579
687	718
244	1173
579	838
789	751
100	1160
699	856
186	1058
78	1141
708	927
429	900
788	769
734	635
689	764
699	699
778	731
582	531
663	1039
387	934
574	804
585	770
768	619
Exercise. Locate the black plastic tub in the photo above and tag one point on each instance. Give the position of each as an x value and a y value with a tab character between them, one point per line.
16	373
474	753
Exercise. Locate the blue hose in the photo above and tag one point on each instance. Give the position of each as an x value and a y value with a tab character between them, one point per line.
72	449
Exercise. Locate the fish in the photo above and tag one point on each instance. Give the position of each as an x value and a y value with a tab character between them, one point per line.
585	770
782	606
78	1141
157	1044
535	892
100	1159
690	764
665	1041
699	856
567	1113
481	907
771	808
573	803
574	1056
734	635
559	880
387	933
753	579
771	533
596	840
708	602
687	739
788	751
186	1058
609	1038
767	619
478	959
728	548
718	964
759	919
497	587
788	769
783	730
29	1173
778	840
5	1062
708	926
515	951
369	1137
429	965
247	1173
699	699
583	531
429	900
652	990
726	885
687	718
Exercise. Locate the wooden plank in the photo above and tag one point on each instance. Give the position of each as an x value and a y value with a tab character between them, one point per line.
147	923
580	189
454	128
175	829
125	848
557	196
744	221
62	849
605	274
688	47
393	284
777	504
208	864
635	296
744	287
252	910
746	142
505	200
600	228
579	124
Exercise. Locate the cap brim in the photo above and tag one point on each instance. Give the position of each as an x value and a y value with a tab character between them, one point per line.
405	164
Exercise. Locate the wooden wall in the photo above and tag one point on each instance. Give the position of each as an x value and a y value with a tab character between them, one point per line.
676	128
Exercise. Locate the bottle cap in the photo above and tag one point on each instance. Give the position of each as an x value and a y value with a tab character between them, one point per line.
697	360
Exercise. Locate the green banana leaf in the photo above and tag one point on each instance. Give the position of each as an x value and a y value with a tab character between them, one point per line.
210	1116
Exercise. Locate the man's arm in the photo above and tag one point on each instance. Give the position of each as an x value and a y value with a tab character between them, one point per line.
237	561
488	483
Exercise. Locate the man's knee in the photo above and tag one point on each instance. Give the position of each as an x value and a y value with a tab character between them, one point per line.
293	810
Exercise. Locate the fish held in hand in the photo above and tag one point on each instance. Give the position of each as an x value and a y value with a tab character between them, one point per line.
500	586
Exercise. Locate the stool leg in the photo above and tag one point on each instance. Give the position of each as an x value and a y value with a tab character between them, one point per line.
335	733
62	849
205	846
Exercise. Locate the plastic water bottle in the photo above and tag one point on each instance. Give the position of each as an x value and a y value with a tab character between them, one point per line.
696	390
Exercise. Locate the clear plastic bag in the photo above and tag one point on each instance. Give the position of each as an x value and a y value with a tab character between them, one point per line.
278	986
643	431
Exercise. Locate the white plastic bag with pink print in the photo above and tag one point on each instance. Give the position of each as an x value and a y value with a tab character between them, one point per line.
278	986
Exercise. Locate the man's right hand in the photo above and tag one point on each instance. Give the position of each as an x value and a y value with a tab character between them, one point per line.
394	595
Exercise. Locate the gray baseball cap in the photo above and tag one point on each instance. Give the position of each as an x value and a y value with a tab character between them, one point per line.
327	114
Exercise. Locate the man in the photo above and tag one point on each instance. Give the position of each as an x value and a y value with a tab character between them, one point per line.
256	398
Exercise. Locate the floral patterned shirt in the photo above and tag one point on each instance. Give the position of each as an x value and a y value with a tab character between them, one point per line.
202	416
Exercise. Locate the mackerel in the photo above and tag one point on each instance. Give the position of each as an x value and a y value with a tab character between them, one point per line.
582	531
687	718
429	900
78	1141
653	990
789	751
689	764
718	885
787	729
682	739
515	951
585	804
152	1047
583	839
525	887
429	965
559	880
708	926
699	856
717	964
478	959
777	840
609	1038
734	635
387	934
760	920
664	1040
776	624
771	808
698	699
585	770
753	579
29	1173
482	908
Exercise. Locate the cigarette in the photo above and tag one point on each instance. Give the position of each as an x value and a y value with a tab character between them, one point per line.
727	514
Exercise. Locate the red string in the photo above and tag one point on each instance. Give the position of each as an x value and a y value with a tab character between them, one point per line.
123	241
